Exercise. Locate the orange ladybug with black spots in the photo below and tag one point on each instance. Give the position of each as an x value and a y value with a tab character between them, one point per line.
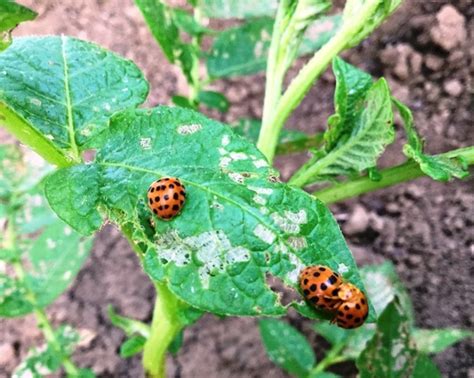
326	290
166	197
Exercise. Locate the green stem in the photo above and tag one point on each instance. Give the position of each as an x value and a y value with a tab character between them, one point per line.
165	327
333	357
196	84
42	320
274	82
407	171
301	84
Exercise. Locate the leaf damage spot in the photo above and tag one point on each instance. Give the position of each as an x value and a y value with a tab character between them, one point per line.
260	163
342	268
298	242
35	101
264	234
237	177
145	143
189	129
225	140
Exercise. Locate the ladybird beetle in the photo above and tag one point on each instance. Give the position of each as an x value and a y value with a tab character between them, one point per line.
166	197
353	308
320	286
326	290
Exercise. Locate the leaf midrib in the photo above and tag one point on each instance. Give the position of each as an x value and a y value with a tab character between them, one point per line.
67	91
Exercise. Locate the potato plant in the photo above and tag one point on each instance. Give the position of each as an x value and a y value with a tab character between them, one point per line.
69	99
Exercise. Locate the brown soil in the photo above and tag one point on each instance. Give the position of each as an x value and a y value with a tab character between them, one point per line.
425	228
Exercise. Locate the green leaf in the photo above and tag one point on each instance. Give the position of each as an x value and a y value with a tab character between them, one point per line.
214	100
57	93
161	21
13	300
182	101
177	343
383	285
12	14
187	23
437	340
352	10
243	50
287	347
239	9
41	362
323	374
356	137
78	202
391	351
128	325
56	256
132	346
239	223
332	333
352	85
439	168
425	367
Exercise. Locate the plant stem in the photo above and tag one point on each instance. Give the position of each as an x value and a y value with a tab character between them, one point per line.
301	84
333	357
164	328
41	318
274	82
195	84
390	176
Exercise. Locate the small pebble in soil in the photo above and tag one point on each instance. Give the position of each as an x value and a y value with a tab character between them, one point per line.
450	29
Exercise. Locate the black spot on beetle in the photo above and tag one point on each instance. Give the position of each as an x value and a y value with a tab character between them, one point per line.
357	320
160	207
163	187
152	189
151	201
171	186
335	292
167	207
349	316
183	193
306	292
340	313
305	282
322	269
358	306
316	274
175	207
177	183
154	211
157	199
362	301
326	299
314	300
166	197
175	196
313	287
323	286
346	307
332	280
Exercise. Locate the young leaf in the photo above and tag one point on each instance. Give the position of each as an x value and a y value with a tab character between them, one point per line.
425	367
132	346
12	14
238	223
353	9
436	340
243	50
391	352
56	256
383	285
437	167
57	93
182	101
239	9
323	374
186	22
371	130
177	343
47	359
13	301
128	325
214	100
161	20
287	347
